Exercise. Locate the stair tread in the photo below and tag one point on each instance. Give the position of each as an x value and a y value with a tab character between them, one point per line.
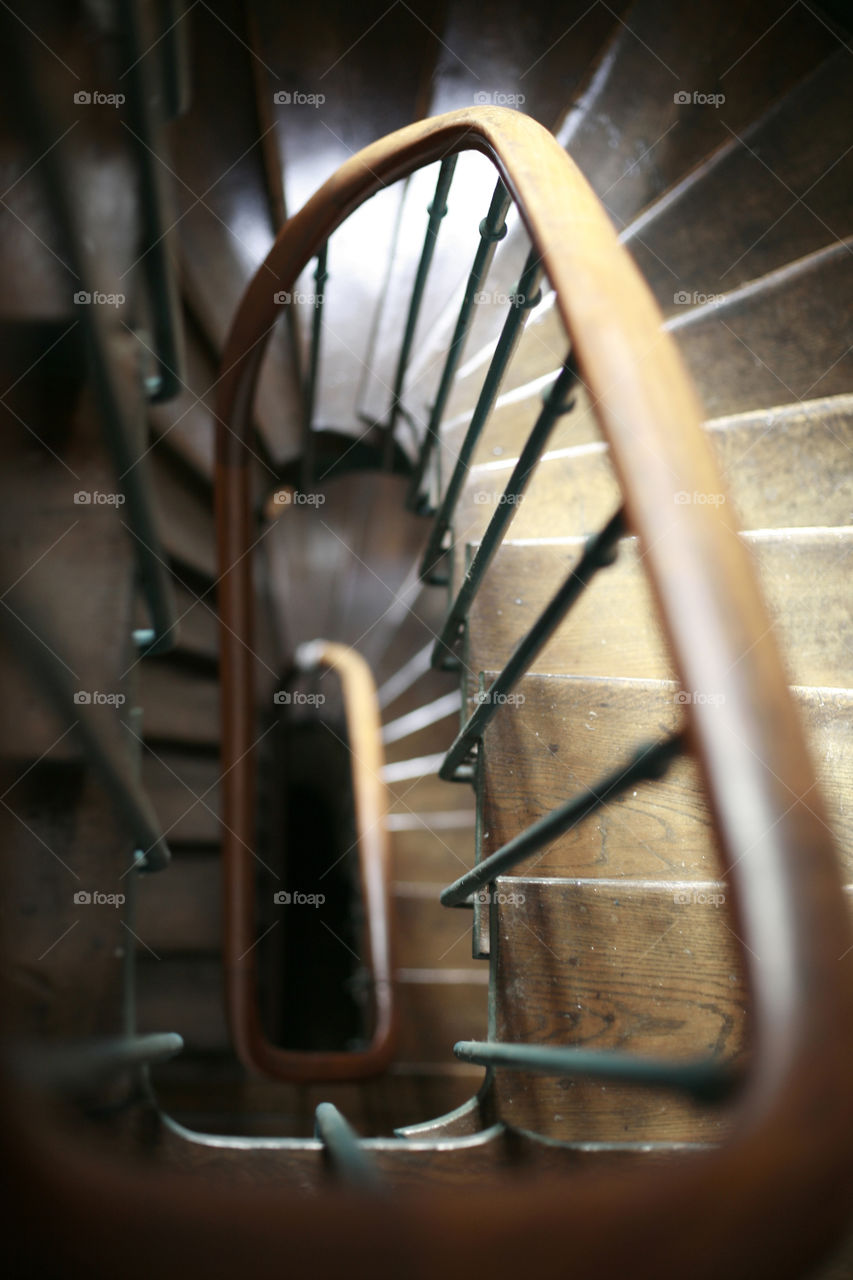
638	970
614	629
185	995
782	467
179	706
568	731
792	173
184	790
224	207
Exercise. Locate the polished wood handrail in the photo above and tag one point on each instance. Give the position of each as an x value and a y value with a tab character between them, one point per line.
772	1194
364	741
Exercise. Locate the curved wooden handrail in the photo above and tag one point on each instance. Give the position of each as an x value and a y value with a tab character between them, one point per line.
772	1194
364	740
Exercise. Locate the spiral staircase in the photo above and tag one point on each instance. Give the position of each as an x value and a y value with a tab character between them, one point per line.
293	667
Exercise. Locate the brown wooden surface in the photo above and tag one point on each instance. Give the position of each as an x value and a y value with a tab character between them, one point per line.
613	630
624	968
569	731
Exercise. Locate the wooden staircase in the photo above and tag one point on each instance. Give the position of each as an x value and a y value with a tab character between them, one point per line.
620	934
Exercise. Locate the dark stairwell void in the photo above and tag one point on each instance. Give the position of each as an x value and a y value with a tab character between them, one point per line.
314	987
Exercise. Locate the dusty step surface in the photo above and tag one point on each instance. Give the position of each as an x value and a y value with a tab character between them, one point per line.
185	514
792	172
634	141
613	629
568	732
780	467
636	968
766	358
475	66
186	994
180	706
744	331
184	790
224	214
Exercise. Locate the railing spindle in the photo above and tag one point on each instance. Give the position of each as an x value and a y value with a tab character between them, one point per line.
345	1150
436	211
600	552
492	229
321	275
649	762
555	405
526	296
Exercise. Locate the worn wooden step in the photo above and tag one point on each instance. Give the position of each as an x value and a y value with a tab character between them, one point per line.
180	706
564	733
262	1108
424	731
185	995
198	624
766	359
184	790
433	847
634	140
186	520
784	468
792	172
465	65
224	212
637	968
613	629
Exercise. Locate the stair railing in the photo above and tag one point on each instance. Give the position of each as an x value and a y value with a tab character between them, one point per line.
782	1181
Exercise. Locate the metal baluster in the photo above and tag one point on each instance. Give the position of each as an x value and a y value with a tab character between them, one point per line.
321	275
492	229
72	1068
706	1081
526	296
436	211
39	652
345	1149
144	129
123	429
649	762
600	552
555	405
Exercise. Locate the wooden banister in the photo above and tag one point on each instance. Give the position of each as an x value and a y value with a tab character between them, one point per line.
364	739
793	1145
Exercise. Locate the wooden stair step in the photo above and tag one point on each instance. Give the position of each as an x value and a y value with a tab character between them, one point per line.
179	705
631	968
767	359
185	995
185	514
263	1108
433	847
465	64
184	790
614	630
198	624
569	731
792	172
650	140
433	737
224	212
781	468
